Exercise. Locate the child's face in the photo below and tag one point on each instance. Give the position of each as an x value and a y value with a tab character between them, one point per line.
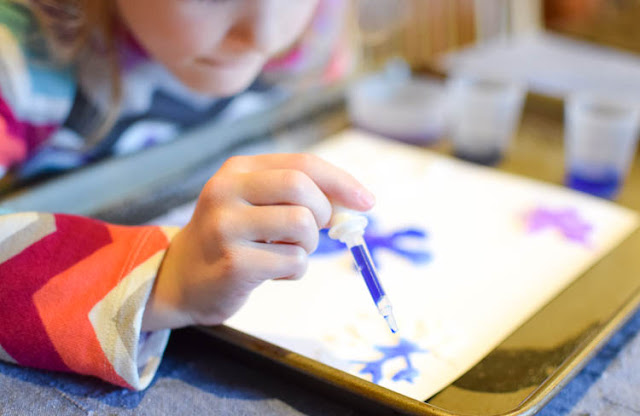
215	46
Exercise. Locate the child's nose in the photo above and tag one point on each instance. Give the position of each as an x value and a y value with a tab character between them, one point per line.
256	28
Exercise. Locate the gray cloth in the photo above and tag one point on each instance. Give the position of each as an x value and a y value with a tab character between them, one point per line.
610	382
196	377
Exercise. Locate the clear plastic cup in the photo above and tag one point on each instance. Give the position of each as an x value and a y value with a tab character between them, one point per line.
412	110
484	115
601	134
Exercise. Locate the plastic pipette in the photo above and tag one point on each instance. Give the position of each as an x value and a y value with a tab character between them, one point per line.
348	227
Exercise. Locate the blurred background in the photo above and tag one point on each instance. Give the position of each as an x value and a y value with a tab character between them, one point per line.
489	81
420	31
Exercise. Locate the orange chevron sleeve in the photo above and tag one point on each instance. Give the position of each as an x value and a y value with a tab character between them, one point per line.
73	292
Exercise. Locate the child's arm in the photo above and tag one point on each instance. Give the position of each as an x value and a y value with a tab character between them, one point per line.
256	219
73	290
72	295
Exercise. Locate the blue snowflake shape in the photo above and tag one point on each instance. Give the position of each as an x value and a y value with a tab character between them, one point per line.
403	349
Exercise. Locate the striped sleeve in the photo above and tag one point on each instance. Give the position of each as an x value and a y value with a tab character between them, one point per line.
72	295
36	93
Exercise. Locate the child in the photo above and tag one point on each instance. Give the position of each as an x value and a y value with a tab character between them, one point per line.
84	296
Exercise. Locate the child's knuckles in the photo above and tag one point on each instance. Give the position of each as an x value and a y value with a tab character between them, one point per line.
219	226
296	184
224	224
217	189
300	221
306	161
236	163
231	263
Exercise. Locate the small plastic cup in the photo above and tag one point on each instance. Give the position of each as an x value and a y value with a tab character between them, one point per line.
484	115
396	105
601	135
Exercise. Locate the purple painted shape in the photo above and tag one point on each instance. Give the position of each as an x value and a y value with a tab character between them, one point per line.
565	220
403	349
377	241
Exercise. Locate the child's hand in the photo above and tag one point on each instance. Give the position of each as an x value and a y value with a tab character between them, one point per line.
256	219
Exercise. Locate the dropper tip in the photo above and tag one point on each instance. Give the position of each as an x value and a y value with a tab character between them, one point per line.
391	321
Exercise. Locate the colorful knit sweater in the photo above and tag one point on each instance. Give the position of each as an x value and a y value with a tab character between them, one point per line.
72	289
72	294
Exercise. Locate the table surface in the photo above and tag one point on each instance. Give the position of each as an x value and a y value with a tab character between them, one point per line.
198	377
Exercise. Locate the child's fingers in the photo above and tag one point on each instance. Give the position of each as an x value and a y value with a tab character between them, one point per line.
280	223
286	187
339	186
277	261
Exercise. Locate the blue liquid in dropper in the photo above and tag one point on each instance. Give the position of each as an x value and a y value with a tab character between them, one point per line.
366	268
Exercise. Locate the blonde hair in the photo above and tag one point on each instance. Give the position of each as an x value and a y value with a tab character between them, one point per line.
71	29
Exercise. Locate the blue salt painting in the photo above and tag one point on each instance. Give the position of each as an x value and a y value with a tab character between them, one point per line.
404	349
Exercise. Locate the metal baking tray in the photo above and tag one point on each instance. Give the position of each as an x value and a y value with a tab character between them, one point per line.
519	376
